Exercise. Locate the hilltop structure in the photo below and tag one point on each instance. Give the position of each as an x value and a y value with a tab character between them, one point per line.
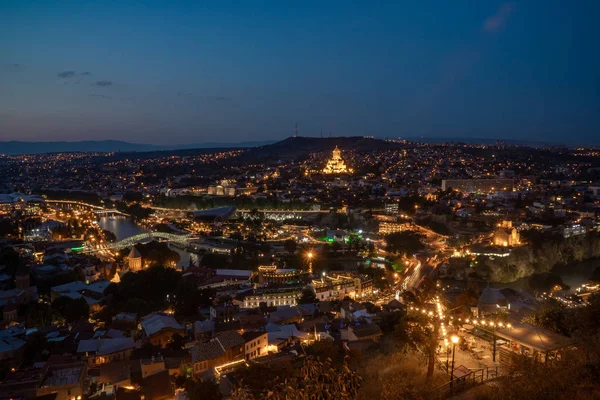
135	259
335	165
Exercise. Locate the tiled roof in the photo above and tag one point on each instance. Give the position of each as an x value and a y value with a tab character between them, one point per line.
206	351
105	346
248	336
156	322
230	339
134	253
216	347
204	326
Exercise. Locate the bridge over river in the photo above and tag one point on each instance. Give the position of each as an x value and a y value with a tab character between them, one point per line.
142	237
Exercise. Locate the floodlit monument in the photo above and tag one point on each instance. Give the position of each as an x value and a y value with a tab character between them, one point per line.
335	165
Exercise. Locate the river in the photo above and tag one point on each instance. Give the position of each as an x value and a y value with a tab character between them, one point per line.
124	227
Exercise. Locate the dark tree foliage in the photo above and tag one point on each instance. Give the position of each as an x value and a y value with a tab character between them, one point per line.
290	246
158	254
213	260
71	310
186	298
154	289
177	342
7	228
307	297
34	348
133	196
136	211
405	243
109	236
9	257
202	390
546	282
150	285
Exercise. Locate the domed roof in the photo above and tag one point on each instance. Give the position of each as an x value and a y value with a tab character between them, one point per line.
134	253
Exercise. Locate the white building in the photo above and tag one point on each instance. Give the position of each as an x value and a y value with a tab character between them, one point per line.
273	297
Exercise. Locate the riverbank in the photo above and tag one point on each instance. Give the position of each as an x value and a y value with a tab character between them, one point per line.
123	227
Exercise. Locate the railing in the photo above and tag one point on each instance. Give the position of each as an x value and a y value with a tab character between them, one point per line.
97	209
475	377
127	242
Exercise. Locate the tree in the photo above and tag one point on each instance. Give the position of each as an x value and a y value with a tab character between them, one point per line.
317	379
34	347
71	309
133	196
546	282
150	286
9	257
213	260
109	236
202	390
327	349
405	243
176	343
397	375
7	228
596	275
468	298
186	297
36	314
307	297
290	246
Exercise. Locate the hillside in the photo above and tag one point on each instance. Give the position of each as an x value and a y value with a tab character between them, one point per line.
295	147
110	146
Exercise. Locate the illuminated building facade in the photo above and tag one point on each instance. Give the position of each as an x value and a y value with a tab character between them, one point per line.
134	259
256	344
392	208
506	235
273	297
271	274
335	165
385	228
338	285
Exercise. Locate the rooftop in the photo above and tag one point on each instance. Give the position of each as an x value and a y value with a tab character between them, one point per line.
534	337
60	375
155	322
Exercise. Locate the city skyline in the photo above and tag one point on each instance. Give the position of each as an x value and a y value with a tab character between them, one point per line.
234	72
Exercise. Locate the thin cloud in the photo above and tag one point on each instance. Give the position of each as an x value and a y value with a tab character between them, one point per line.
100	96
85	73
66	74
103	83
496	22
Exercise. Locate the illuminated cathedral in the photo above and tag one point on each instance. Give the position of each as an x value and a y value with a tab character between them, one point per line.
335	165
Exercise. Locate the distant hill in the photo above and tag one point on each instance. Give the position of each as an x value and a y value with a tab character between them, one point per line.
487	141
107	146
294	147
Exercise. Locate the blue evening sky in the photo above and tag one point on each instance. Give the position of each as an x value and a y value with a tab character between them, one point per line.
172	72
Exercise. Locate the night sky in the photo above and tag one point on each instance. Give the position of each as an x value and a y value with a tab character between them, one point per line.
178	72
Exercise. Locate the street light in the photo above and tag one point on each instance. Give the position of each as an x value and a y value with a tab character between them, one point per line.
310	256
454	339
447	353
